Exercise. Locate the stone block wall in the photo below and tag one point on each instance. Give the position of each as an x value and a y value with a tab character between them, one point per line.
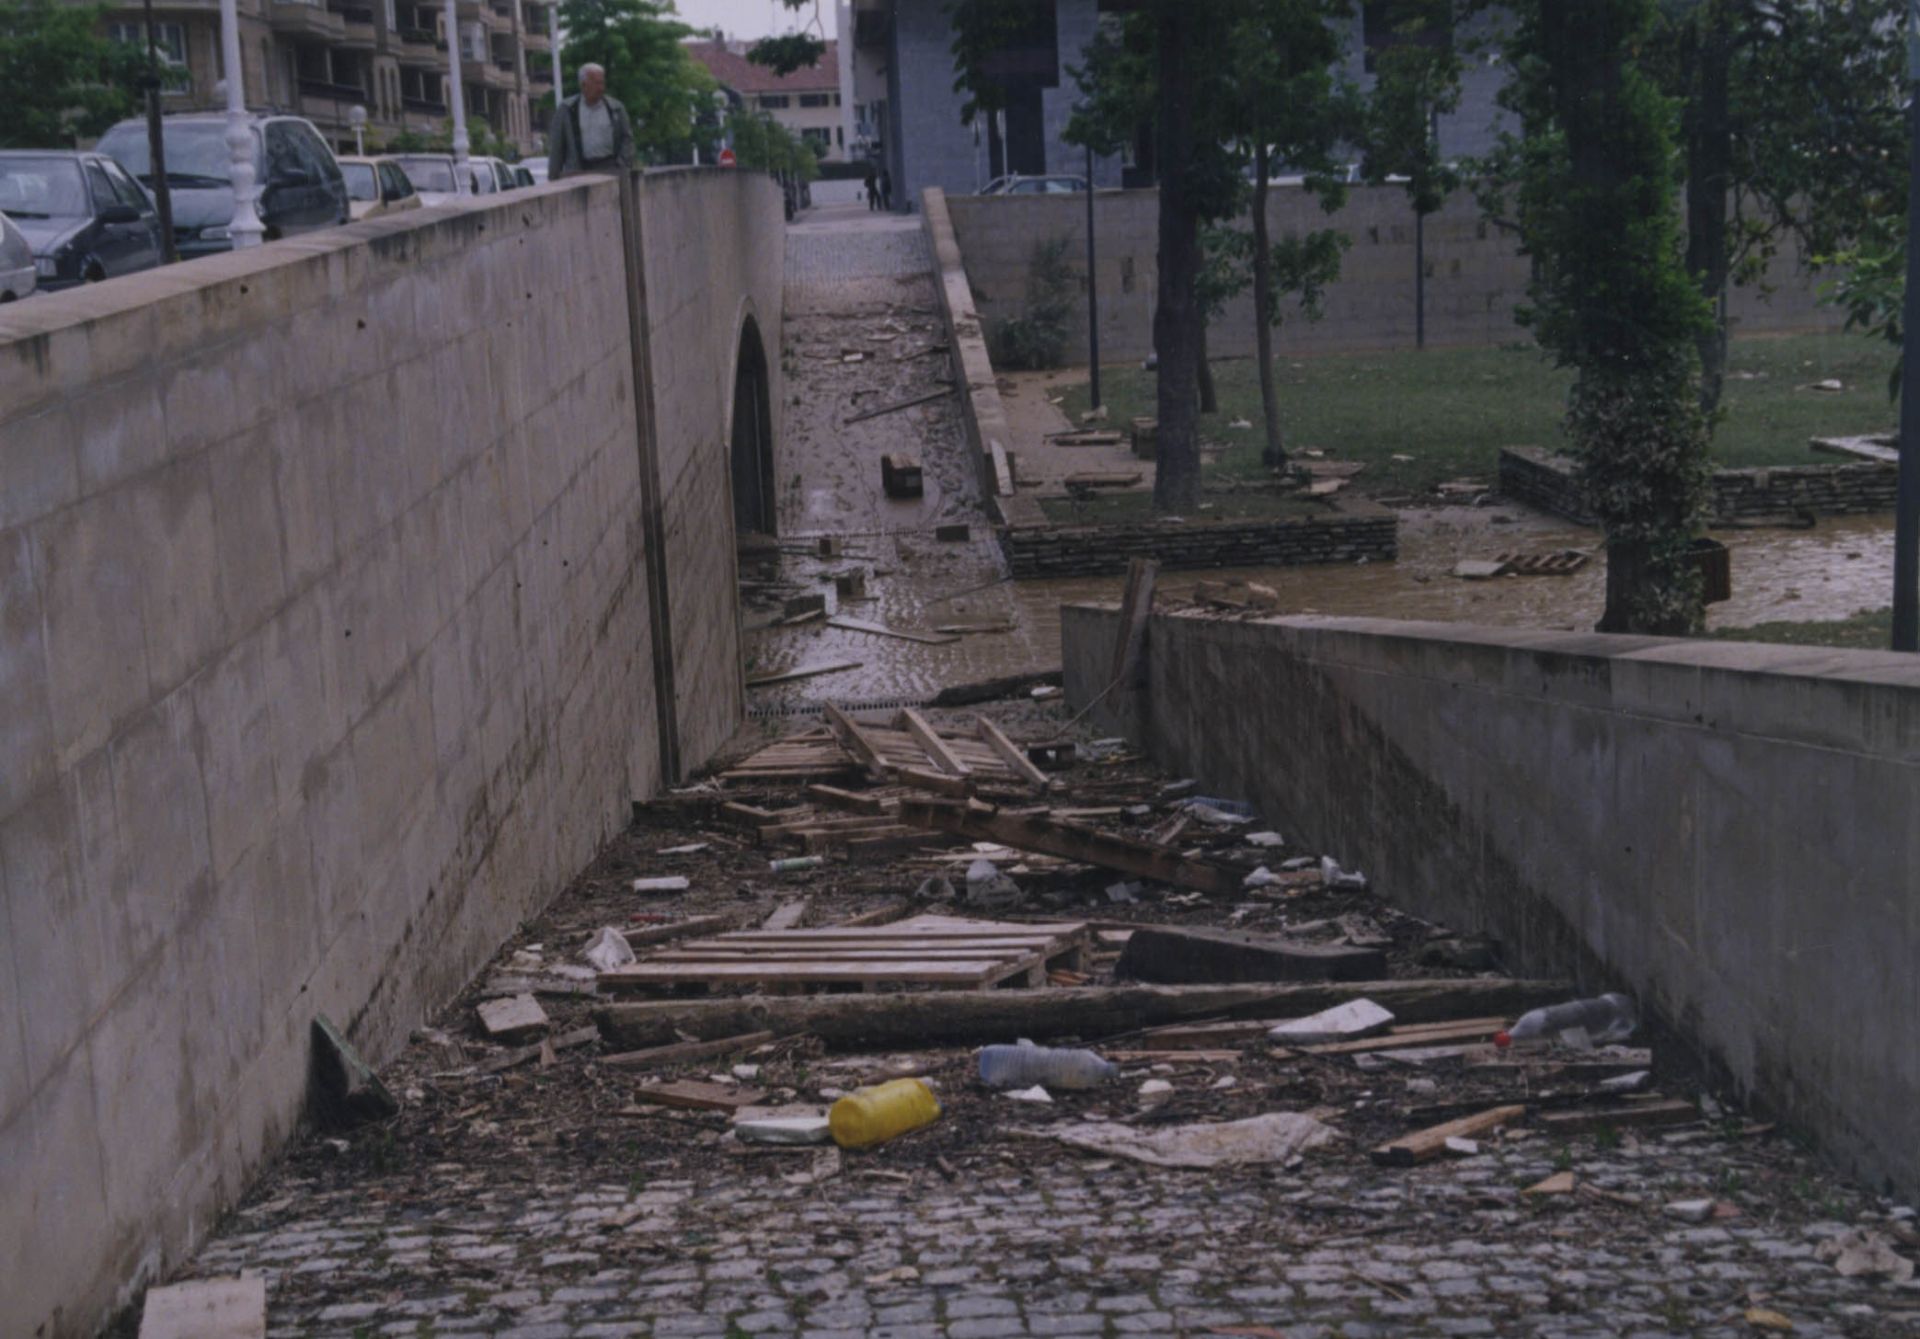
1722	829
1475	274
326	653
1357	532
1547	480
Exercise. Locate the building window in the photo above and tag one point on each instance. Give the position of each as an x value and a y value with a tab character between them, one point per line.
774	101
813	99
169	39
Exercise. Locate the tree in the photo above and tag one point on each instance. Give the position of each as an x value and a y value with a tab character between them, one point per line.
648	69
761	144
63	81
1610	296
1282	101
1416	81
796	50
1791	123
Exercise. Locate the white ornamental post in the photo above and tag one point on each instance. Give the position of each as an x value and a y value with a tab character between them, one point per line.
246	227
456	102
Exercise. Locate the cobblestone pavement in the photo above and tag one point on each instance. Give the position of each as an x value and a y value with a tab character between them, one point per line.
1040	1245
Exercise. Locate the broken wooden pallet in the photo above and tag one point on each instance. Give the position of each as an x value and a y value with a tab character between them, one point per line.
1560	563
943	951
909	750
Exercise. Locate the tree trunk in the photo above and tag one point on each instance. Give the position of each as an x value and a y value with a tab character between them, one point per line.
1176	317
967	1018
1274	454
1707	56
1631	573
1203	374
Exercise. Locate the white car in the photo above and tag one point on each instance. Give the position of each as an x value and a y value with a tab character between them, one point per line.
16	262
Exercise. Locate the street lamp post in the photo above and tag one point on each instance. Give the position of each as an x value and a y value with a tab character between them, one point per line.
157	147
357	118
246	227
456	103
1093	291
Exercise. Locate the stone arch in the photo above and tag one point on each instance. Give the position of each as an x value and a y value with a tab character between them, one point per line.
751	450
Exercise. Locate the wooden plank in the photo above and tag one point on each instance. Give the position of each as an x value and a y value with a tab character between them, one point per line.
882	630
853	800
691	1095
1175	1057
981	822
661	934
1660	1111
878	916
513	1018
1436	1035
1009	753
683	1051
880	953
964	972
898	405
944	758
802	672
1175	955
1428	1144
1002	468
787	914
217	1308
954	787
579	1036
1136	607
853	738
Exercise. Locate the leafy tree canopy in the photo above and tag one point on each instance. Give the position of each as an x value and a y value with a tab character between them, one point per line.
62	80
650	71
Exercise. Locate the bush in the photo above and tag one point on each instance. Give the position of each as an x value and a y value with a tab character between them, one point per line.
1036	340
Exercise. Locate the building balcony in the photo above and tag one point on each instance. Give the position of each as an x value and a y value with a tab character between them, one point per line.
498	75
424	106
306	18
357	21
533	41
540	74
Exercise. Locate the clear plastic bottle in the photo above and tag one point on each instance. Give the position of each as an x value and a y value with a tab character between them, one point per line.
874	1115
1607	1019
1025	1065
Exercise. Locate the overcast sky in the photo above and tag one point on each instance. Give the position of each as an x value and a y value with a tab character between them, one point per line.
753	18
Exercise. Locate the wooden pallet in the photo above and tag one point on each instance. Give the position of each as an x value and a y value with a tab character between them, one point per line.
1561	563
941	951
909	750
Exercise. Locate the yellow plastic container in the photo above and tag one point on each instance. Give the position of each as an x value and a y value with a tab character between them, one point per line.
875	1115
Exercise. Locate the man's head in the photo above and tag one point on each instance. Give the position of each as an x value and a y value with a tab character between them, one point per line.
593	84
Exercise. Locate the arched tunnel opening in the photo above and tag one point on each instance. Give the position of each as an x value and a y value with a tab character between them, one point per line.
752	446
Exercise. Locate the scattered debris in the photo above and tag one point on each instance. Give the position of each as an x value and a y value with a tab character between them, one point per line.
222	1308
1275	1137
1864	1251
344	1091
898	405
802	672
900	475
609	949
1344	1022
514	1018
1425	1145
694	1095
780	1125
881	1113
1191	954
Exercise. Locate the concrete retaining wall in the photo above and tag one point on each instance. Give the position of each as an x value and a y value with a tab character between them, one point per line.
1356	531
1475	276
1548	480
326	654
1724	829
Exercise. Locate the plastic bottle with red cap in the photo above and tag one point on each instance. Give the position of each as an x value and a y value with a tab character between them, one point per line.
1609	1018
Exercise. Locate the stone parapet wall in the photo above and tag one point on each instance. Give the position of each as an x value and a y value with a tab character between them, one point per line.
1547	480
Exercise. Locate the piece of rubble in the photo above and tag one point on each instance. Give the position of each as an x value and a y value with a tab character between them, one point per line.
513	1019
1462	1146
222	1308
780	1125
1263	839
1690	1211
1261	877
1037	1093
1341	880
671	883
1426	1145
1187	954
1344	1022
1155	1088
1274	1137
1560	1183
609	949
1864	1251
344	1091
1762	1319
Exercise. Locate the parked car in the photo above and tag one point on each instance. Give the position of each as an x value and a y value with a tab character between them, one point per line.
377	186
537	169
431	175
523	175
1019	185
84	217
298	180
17	277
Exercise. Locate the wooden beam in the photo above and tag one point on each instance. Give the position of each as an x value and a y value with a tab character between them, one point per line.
1428	1144
891	911
579	1036
898	405
929	739
1136	606
1002	468
882	630
661	934
788	914
802	672
1664	1111
1030	832
852	800
1017	762
855	741
684	1051
940	783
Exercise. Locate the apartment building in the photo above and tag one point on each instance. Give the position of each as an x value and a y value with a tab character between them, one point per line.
322	58
807	102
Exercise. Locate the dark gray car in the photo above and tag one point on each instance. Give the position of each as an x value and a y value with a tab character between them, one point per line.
84	217
299	181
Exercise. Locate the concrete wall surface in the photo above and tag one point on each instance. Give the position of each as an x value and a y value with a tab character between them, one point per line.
326	658
715	247
1724	829
1475	274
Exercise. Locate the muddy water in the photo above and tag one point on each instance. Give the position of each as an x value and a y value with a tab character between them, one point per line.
1827	573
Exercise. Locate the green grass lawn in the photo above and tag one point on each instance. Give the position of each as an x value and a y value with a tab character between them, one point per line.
1451	410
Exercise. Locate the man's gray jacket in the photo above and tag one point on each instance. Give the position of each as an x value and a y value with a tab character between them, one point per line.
563	137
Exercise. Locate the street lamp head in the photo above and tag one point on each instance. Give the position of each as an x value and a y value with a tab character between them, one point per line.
356	116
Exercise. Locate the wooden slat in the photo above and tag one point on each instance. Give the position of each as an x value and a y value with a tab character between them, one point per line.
1472	1030
802	672
785	916
964	973
1664	1111
1136	606
1425	1145
660	934
954	787
682	1051
801	957
854	739
882	630
692	1095
1031	833
1009	753
929	739
878	916
852	800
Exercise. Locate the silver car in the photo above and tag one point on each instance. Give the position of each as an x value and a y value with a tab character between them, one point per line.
16	262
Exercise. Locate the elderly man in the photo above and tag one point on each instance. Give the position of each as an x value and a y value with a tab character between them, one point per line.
590	131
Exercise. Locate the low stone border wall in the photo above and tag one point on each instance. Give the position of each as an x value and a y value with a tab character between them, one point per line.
1547	480
1356	530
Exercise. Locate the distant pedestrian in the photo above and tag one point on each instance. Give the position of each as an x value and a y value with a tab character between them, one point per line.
886	189
590	132
873	188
